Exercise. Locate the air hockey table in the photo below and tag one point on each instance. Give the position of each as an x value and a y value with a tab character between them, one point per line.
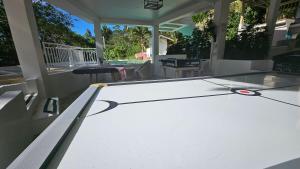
248	121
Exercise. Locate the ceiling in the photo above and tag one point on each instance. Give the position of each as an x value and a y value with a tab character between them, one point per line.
131	9
172	16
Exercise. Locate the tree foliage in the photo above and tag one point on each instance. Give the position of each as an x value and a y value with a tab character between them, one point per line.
8	55
124	43
54	26
249	44
142	35
180	46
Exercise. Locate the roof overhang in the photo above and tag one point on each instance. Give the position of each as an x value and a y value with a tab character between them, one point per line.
174	15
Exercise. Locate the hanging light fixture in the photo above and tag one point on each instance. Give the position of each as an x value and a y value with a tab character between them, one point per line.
153	4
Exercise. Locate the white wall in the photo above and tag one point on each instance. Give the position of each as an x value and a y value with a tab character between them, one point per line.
17	122
29	86
65	83
15	127
163	46
60	84
229	67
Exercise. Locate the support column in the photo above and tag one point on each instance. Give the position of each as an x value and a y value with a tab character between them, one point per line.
155	41
242	21
98	41
220	20
273	12
25	35
297	17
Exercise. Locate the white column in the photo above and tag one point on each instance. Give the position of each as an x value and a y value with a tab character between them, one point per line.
221	20
98	40
242	22
25	35
273	12
297	17
155	41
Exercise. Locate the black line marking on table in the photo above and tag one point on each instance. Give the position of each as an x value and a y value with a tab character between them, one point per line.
254	90
216	83
179	98
113	104
281	87
279	101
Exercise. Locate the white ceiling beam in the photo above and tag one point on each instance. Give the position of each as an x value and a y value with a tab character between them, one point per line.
182	12
84	13
126	21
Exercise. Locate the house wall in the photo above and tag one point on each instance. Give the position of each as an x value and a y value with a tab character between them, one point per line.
163	46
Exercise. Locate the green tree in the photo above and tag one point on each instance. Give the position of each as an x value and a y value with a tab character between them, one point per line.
123	43
8	55
90	40
54	26
180	46
142	35
106	33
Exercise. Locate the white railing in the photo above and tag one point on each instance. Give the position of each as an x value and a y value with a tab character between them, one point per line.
65	56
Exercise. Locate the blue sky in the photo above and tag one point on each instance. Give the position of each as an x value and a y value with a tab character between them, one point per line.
80	26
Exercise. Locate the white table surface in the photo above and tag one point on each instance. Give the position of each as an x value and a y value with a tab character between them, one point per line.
214	131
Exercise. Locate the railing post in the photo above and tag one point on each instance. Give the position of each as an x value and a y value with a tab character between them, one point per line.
71	60
64	56
46	56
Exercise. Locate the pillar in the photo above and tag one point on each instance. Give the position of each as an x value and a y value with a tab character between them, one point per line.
242	21
25	35
155	41
297	17
98	41
220	20
273	12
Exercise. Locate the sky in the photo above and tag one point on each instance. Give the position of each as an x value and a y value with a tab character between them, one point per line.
80	26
